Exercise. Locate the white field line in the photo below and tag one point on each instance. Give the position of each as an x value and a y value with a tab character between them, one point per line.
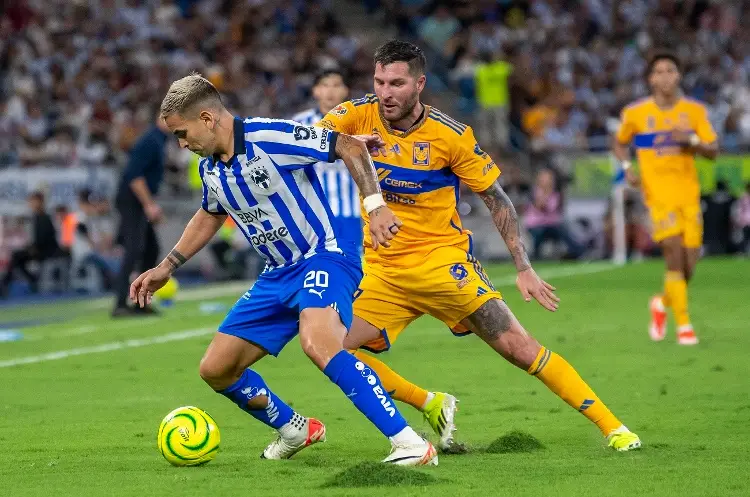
186	335
107	347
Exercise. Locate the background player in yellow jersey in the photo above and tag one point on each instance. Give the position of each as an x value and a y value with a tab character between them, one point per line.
667	130
429	268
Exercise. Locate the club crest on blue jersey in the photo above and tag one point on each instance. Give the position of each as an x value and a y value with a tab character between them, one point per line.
421	154
260	177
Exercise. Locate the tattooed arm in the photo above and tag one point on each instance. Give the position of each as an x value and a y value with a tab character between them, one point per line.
198	232
357	159
506	219
383	223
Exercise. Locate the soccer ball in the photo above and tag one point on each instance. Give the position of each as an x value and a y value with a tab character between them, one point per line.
167	293
188	436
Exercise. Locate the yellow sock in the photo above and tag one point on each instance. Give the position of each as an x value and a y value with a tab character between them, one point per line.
565	382
675	289
398	387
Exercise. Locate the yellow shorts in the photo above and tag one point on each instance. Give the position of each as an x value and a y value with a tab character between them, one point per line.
449	284
683	219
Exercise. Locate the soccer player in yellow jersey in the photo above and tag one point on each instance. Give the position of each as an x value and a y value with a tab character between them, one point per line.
668	130
421	155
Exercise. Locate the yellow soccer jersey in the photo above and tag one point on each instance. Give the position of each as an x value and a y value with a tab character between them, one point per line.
667	171
419	177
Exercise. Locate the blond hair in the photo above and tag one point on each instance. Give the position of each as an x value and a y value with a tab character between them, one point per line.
186	93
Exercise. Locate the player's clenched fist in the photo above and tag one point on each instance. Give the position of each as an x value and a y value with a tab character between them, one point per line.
383	226
143	288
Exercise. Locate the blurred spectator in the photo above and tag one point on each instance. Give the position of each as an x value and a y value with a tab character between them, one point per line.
544	216
90	237
492	95
743	218
78	79
717	219
43	245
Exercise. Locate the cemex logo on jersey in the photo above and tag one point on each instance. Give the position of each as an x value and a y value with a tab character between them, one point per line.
260	177
373	382
339	110
269	236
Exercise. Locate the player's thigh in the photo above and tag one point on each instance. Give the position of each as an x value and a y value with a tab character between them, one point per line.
382	310
225	359
494	323
453	285
322	295
260	318
691	221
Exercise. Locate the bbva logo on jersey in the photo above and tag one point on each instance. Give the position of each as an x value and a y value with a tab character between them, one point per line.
421	154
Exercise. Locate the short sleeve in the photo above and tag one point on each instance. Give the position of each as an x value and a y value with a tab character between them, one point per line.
703	127
210	202
627	129
342	118
291	144
473	165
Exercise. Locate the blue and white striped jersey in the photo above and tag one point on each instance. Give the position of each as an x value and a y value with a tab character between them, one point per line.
271	190
340	188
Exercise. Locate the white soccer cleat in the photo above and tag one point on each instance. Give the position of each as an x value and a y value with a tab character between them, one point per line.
657	328
310	431
686	335
419	454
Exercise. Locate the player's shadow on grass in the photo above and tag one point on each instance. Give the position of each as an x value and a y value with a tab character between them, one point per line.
375	474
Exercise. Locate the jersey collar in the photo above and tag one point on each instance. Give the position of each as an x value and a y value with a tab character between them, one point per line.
239	143
414	127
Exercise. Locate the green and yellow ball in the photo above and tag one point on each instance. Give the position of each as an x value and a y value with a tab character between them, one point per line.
166	294
188	436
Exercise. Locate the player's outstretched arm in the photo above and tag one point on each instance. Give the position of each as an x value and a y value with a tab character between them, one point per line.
383	223
506	219
198	232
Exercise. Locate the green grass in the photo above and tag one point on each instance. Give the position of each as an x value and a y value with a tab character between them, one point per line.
86	425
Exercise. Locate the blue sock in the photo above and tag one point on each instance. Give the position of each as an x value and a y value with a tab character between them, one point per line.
363	387
251	385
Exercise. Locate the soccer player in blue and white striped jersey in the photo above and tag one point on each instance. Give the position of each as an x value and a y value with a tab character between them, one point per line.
329	89
261	172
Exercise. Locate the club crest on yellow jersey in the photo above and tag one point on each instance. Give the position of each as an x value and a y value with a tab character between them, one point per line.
339	110
421	154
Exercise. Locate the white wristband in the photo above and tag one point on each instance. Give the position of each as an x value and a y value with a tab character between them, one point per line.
694	140
372	202
626	165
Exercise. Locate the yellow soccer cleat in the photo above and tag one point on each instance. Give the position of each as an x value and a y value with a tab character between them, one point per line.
623	440
440	412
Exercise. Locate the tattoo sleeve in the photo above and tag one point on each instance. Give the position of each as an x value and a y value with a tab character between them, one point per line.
357	159
506	219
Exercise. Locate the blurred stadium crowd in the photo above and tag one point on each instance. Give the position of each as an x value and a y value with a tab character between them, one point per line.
80	80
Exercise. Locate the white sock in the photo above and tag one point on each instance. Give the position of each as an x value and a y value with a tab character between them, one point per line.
685	327
294	428
430	396
407	436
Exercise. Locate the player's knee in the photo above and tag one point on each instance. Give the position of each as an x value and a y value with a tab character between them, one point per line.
321	335
217	374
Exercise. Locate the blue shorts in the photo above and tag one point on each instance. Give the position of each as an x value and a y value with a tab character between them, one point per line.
349	234
268	314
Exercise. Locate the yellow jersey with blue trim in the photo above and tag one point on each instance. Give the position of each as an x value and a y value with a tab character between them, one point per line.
667	169
419	177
